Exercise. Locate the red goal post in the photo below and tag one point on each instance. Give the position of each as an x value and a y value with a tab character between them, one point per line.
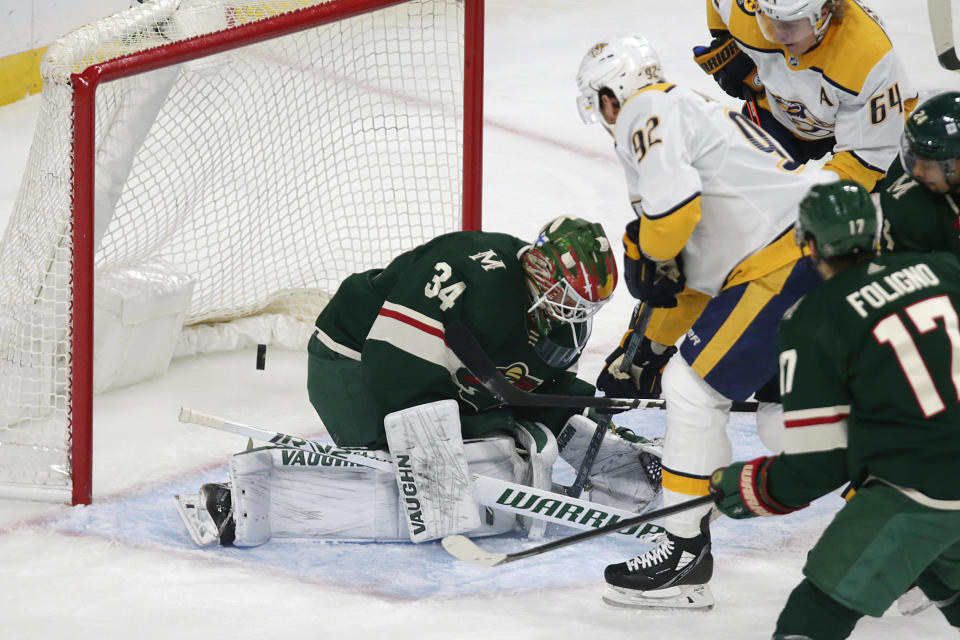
356	133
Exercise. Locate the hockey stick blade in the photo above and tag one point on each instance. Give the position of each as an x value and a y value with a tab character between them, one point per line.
463	548
468	551
465	346
941	24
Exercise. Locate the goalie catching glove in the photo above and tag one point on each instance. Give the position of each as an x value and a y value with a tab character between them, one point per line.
741	490
655	283
729	66
646	371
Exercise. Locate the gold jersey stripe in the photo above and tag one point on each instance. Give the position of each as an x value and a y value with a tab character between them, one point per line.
756	296
686	485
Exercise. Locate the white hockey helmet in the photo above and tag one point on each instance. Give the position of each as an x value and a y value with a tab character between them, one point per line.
622	64
789	21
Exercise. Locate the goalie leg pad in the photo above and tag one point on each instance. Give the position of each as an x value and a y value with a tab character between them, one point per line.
286	493
432	474
621	473
541	447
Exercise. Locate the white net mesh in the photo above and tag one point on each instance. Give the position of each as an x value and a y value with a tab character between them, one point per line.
260	172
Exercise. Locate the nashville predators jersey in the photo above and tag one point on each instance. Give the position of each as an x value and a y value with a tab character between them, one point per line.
851	86
710	186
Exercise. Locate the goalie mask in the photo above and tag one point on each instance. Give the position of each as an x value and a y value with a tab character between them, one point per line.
571	273
623	64
930	144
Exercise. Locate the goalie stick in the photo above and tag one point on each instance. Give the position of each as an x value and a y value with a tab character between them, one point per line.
638	322
511	497
465	549
941	24
465	346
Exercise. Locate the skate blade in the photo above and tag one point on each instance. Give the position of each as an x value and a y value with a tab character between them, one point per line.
696	597
199	524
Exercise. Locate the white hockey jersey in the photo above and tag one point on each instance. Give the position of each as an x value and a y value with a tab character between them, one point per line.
709	185
851	85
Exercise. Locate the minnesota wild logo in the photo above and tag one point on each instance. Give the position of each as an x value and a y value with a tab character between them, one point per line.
470	388
519	376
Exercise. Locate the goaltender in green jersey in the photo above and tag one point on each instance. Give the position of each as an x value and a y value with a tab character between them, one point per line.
383	379
871	394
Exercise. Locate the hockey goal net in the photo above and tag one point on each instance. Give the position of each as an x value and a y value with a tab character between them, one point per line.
263	149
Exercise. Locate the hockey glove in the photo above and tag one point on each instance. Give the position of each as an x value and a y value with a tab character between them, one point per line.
730	67
643	381
740	490
655	283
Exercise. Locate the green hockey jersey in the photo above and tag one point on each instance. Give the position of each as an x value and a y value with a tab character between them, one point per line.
914	219
393	322
870	378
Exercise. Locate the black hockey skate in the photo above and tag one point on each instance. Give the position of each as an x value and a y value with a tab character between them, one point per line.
216	498
673	575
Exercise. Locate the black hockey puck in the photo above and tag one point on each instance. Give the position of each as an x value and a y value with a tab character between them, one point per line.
261	356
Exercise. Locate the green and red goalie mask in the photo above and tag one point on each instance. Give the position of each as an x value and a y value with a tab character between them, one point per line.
572	273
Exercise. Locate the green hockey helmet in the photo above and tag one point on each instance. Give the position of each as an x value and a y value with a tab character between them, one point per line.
841	217
932	135
571	269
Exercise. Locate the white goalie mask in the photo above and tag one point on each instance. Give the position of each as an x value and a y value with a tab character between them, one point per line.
622	64
789	21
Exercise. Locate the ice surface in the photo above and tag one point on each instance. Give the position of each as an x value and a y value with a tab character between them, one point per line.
125	567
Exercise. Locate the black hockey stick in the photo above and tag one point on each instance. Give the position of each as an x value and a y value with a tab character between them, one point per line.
465	346
941	24
638	322
465	549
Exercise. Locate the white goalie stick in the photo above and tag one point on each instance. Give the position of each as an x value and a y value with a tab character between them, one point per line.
465	549
493	493
941	24
465	346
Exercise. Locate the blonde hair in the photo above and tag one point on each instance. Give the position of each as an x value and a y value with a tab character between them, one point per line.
837	9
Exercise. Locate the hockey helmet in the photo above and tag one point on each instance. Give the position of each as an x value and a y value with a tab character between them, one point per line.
789	21
841	217
571	269
931	136
571	273
622	64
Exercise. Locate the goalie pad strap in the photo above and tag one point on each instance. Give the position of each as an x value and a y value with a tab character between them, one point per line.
541	446
431	470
